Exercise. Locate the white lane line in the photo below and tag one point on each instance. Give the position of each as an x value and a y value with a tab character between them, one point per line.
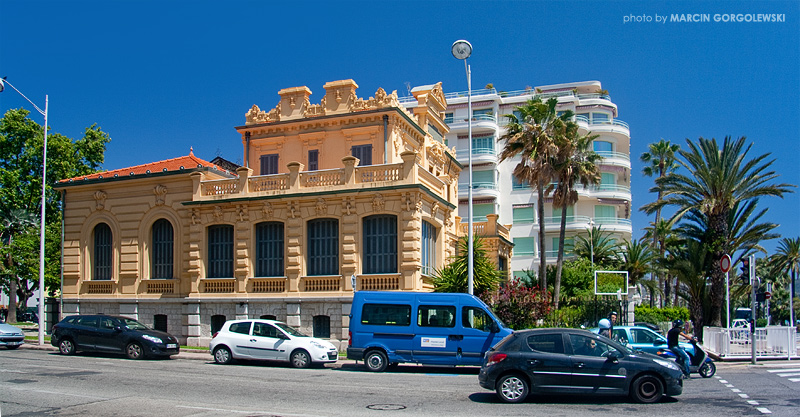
245	412
794	379
791	374
752	402
783	370
9	371
736	390
57	393
764	410
723	381
744	395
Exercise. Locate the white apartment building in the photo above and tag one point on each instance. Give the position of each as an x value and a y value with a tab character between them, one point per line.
495	191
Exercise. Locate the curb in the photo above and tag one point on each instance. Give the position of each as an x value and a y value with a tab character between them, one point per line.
192	355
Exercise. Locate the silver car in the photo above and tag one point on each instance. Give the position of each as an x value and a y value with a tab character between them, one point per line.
260	339
10	337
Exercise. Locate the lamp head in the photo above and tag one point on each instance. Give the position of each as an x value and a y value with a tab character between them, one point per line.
2	84
461	49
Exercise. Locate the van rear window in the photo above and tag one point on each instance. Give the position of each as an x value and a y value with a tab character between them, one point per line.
386	314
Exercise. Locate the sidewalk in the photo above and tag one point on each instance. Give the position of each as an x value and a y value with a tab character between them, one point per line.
193	354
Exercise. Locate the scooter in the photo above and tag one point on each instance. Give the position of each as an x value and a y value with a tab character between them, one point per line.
699	361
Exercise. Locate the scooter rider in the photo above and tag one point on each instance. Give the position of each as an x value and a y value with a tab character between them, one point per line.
605	328
674	346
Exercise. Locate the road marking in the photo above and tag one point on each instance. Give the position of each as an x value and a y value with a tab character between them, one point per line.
9	371
729	385
723	381
783	370
794	379
736	390
744	395
245	412
791	374
57	393
764	410
752	402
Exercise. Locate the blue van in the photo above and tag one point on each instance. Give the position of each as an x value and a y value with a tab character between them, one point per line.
387	328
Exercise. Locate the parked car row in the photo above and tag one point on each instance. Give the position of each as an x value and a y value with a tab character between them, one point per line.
10	337
388	328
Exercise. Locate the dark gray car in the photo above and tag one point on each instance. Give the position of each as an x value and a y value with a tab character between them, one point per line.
113	334
575	361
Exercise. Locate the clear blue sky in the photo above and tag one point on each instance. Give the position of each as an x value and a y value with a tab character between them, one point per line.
163	76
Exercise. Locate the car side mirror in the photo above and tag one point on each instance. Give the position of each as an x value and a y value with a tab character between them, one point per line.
658	343
118	328
494	328
613	356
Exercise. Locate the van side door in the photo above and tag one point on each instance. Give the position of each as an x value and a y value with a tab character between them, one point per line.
476	334
437	339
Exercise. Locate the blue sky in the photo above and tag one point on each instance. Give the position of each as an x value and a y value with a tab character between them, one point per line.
163	76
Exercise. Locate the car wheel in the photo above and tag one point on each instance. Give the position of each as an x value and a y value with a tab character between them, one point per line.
300	359
66	347
708	370
12	347
647	389
512	388
134	351
376	361
222	355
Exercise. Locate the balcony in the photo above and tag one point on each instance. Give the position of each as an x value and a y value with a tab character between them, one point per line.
479	156
605	126
330	180
479	190
580	223
615	158
479	121
488	228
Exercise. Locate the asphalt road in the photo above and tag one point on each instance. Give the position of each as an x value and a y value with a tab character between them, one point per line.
44	383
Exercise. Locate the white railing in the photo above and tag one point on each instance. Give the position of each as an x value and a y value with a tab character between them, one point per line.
771	342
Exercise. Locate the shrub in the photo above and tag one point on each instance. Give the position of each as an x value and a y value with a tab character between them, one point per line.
657	315
518	306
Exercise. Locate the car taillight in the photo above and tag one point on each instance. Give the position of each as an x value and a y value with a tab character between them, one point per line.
214	335
496	358
349	338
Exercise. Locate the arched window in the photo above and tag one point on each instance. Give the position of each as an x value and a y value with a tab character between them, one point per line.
217	321
380	244
269	249
162	251
160	322
220	251
322	327
323	247
268	317
103	252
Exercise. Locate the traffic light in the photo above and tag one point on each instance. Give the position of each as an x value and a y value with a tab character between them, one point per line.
745	276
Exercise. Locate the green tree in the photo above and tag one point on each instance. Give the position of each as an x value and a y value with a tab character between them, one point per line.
786	262
529	136
453	277
690	265
717	178
638	259
21	154
15	226
599	247
575	163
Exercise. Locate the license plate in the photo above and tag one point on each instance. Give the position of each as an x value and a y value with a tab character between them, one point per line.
172	346
16	343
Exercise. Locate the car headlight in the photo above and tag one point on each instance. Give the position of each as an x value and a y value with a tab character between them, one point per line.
318	345
152	339
668	364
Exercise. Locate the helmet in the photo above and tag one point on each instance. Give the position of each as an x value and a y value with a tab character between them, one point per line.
613	313
677	323
604	324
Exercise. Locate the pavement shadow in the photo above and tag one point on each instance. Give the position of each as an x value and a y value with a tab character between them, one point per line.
414	369
598	400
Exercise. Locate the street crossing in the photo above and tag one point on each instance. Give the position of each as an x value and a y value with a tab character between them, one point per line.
788	371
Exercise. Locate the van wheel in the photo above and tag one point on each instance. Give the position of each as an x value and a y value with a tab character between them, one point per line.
376	361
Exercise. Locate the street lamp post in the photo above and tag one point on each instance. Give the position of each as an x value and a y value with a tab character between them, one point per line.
462	49
3	82
591	240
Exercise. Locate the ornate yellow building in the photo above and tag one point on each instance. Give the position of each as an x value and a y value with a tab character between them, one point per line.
341	195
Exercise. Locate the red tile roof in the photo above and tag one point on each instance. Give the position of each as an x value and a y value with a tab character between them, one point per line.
175	164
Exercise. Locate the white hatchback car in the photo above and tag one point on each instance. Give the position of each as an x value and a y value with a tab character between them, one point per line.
260	339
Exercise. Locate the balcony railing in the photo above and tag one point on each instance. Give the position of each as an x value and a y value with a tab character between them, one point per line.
464	153
614	122
379	282
478	186
614	155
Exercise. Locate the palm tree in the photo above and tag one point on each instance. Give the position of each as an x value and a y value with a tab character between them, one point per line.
787	261
530	136
453	277
717	179
13	222
663	236
661	160
575	162
598	246
690	263
638	259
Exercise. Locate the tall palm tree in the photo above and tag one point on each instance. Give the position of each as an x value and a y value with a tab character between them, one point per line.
664	237
530	137
787	261
690	263
661	162
13	222
574	163
718	178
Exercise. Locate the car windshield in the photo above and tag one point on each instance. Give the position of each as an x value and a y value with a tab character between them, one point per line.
134	325
289	329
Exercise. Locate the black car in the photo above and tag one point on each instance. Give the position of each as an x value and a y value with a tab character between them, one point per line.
102	333
576	361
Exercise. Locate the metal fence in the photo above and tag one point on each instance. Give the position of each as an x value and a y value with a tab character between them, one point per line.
587	311
771	342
